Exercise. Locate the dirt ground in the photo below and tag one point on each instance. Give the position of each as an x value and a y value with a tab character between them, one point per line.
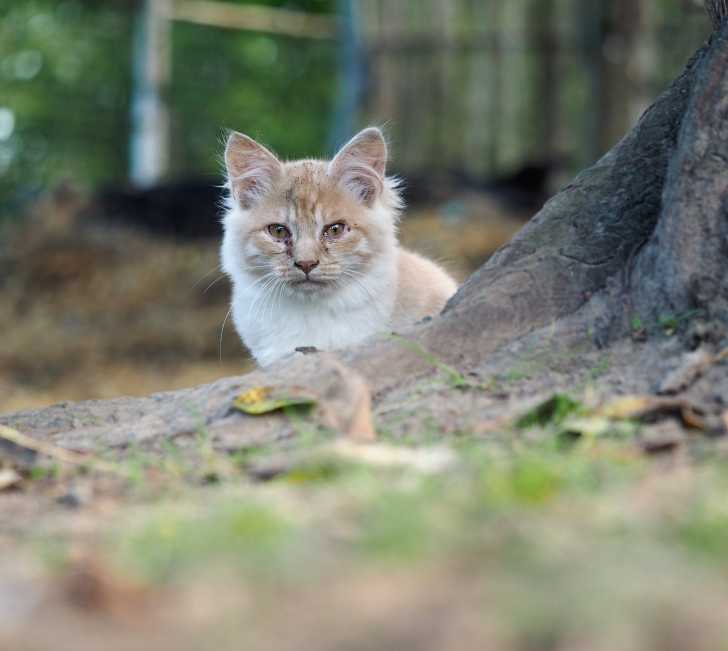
556	506
542	499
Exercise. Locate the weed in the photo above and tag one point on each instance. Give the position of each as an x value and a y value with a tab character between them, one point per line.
454	377
550	412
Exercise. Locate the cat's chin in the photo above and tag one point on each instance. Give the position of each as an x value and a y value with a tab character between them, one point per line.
310	287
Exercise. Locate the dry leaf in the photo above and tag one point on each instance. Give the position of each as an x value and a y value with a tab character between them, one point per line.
691	367
340	395
360	426
264	400
9	478
626	407
725	420
346	403
640	407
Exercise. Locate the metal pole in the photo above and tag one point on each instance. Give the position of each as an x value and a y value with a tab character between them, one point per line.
351	76
149	151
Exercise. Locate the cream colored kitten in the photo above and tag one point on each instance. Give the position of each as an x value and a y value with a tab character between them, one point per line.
311	249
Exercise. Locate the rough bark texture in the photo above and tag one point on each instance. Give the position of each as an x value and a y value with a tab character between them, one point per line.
718	11
684	266
644	232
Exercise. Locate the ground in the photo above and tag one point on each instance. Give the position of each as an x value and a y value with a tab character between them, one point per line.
549	497
540	520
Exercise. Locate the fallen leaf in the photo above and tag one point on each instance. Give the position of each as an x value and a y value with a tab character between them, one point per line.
626	407
360	426
9	478
264	400
346	403
640	407
691	367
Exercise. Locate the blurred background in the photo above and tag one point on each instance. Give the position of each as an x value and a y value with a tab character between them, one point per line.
112	119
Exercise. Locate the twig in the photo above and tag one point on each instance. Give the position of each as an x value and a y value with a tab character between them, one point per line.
59	454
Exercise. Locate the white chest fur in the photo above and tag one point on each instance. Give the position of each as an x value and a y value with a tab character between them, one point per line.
273	326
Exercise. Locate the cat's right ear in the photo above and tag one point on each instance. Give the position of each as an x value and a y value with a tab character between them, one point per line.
360	165
251	169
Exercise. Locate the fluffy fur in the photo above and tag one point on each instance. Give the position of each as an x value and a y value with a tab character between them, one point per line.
312	252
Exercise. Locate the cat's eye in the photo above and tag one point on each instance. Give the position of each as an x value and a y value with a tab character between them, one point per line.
334	231
279	231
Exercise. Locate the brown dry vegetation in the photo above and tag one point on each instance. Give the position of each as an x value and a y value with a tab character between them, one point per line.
92	310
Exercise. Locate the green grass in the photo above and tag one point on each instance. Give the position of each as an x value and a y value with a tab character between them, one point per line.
567	529
566	538
453	377
396	513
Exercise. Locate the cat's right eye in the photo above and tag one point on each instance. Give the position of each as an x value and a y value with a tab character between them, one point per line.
279	231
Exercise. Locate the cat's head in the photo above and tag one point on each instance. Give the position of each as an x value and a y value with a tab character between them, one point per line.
309	227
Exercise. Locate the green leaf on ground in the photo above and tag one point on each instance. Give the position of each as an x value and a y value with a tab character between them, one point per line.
264	400
550	412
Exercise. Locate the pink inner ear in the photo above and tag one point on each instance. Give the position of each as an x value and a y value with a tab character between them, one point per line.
360	165
249	187
251	168
363	182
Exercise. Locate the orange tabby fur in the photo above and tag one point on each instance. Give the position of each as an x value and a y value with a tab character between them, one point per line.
312	251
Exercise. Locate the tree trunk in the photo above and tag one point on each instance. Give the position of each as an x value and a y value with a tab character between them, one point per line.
645	229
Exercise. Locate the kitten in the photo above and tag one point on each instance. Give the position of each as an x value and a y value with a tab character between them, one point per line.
311	249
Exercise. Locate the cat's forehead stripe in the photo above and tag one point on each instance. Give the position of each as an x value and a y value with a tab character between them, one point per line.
304	191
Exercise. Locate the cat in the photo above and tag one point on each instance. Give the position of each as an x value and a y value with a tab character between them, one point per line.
311	249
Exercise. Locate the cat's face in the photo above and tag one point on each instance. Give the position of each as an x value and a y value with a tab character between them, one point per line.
309	227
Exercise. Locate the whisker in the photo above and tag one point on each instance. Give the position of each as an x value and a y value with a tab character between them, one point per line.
198	281
356	278
222	332
217	280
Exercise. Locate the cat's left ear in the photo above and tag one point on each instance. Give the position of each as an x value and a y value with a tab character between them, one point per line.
251	169
360	165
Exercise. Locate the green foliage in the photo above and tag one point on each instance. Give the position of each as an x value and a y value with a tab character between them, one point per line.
242	532
636	323
454	377
550	412
279	90
65	73
65	76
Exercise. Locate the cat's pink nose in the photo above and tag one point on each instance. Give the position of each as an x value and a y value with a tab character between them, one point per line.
306	265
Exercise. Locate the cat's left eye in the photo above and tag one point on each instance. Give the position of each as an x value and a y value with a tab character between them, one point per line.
279	231
334	231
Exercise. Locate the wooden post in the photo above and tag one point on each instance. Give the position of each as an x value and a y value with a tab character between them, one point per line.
149	155
351	76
